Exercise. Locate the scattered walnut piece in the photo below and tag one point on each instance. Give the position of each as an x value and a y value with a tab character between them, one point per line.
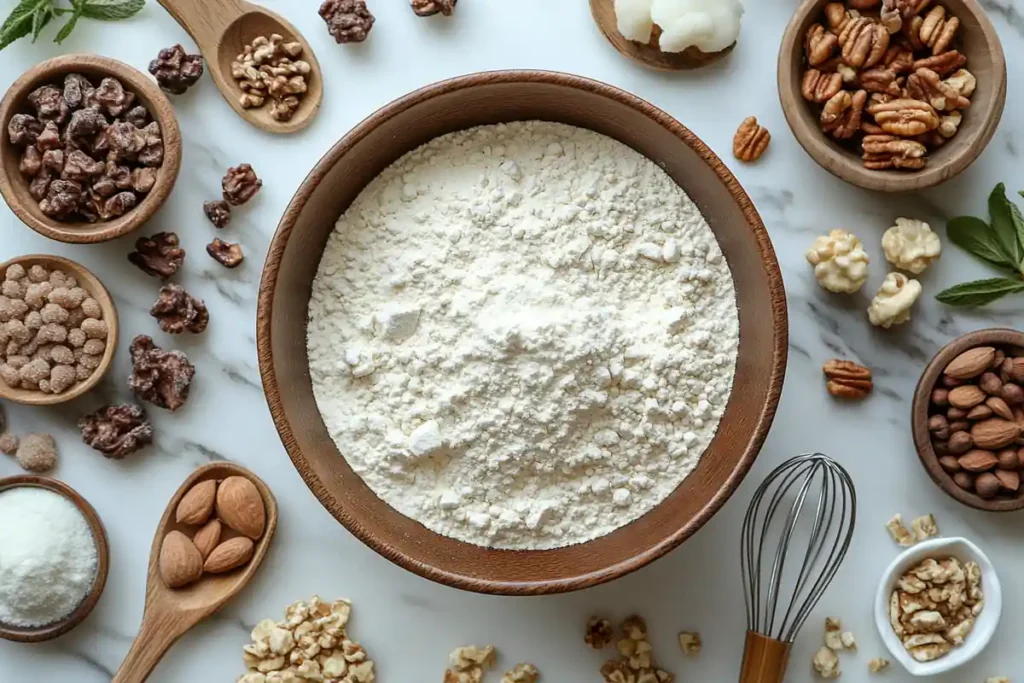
349	21
116	430
846	379
751	140
892	304
8	444
37	453
469	663
878	664
219	212
690	643
924	528
833	633
899	532
426	8
599	633
240	184
911	245
161	377
159	255
175	70
825	663
178	311
840	261
848	640
522	673
227	254
635	663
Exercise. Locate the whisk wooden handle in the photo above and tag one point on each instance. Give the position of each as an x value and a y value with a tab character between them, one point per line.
764	659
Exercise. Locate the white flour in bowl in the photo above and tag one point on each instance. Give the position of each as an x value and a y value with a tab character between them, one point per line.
523	335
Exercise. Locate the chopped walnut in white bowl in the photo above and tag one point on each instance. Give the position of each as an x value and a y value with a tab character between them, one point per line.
938	581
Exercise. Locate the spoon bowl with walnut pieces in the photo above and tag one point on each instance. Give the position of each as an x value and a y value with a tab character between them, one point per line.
91	284
38	634
169	613
222	29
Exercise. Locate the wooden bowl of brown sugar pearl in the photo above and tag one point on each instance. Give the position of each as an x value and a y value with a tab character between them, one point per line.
58	330
968	419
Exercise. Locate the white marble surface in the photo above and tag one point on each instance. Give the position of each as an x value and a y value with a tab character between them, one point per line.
407	623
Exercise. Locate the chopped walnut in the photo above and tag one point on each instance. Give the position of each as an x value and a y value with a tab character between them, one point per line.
599	632
349	21
178	311
848	640
891	306
899	532
219	212
175	70
911	245
833	633
426	8
840	262
240	184
690	643
924	528
463	658
825	663
117	430
878	664
227	254
159	255
933	606
636	657
161	377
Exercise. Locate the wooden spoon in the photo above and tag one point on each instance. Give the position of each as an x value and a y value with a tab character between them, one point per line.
221	29
169	613
650	54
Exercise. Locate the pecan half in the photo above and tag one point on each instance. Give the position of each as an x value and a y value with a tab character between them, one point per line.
899	58
927	86
847	124
864	42
837	17
892	18
846	379
820	44
905	117
835	108
879	80
820	87
751	140
943	64
890	151
938	30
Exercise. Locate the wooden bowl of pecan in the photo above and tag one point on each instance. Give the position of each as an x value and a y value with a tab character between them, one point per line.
89	150
892	95
968	419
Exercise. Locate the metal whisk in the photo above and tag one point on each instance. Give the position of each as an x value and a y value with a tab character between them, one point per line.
810	495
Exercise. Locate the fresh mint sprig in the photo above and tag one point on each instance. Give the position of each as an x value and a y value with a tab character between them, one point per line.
30	17
1000	242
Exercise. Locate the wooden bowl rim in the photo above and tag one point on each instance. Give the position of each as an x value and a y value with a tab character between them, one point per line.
92	284
919	416
847	166
351	521
51	631
161	110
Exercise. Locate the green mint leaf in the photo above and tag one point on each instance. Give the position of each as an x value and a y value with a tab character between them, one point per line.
980	292
1006	221
111	10
19	22
976	237
68	27
40	19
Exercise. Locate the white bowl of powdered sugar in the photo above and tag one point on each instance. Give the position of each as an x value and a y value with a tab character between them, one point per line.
511	312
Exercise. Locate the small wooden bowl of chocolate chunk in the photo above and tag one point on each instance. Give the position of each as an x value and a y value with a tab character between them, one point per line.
968	419
89	149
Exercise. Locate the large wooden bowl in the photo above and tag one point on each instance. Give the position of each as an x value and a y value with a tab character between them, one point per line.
489	98
977	40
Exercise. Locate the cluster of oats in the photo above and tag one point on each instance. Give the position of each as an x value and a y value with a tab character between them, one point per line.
934	606
311	644
52	332
921	529
271	68
635	663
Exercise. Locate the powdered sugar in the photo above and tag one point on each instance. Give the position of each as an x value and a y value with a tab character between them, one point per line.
523	335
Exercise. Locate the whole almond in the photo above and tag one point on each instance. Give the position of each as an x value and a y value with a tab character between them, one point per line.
197	505
994	433
229	555
1015	368
207	538
979	412
240	506
180	562
1008	479
978	460
966	396
970	363
999	407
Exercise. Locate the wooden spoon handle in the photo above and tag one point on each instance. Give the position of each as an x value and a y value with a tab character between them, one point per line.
205	20
764	659
156	635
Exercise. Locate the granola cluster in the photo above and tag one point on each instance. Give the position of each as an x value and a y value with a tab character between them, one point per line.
934	605
887	74
311	644
89	152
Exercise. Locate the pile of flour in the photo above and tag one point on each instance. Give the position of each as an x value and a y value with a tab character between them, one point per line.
523	335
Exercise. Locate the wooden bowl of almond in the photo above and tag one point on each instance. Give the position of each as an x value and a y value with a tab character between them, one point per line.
892	95
968	419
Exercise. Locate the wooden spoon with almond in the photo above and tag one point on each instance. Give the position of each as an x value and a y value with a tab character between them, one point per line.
170	612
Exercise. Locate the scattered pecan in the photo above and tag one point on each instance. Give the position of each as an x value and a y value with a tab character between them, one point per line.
820	87
927	86
175	70
893	152
349	21
178	311
159	255
240	184
938	30
219	212
161	377
847	123
879	80
116	431
943	64
906	117
227	254
864	42
820	44
751	140
846	379
426	8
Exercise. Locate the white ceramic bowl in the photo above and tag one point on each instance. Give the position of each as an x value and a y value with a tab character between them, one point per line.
984	626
